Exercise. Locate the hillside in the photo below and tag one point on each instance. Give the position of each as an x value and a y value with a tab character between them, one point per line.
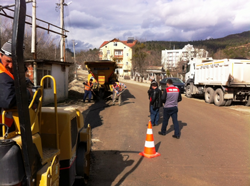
231	46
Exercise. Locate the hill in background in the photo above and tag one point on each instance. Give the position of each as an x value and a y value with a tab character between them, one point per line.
231	46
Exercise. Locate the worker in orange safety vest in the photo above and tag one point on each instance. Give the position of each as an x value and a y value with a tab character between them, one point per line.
7	88
88	92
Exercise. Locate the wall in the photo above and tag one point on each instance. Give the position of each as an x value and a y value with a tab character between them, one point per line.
61	78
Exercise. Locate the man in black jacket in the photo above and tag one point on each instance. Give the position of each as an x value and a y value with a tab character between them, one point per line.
155	104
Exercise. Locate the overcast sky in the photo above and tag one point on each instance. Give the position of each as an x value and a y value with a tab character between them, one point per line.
91	22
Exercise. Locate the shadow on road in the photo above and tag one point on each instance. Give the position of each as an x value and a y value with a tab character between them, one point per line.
92	114
181	125
108	165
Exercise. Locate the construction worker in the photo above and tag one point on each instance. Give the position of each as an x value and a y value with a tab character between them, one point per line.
117	87
7	88
87	87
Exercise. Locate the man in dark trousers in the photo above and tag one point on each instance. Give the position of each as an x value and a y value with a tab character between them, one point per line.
170	97
152	80
87	92
155	104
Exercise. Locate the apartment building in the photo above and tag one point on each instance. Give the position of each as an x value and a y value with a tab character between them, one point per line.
170	58
119	51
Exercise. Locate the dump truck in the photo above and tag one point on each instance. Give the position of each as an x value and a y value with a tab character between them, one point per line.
220	81
49	146
103	72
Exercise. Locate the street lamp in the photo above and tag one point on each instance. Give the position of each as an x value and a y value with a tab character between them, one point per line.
74	44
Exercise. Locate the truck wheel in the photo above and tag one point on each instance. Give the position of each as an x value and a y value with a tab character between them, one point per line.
209	95
248	102
228	102
219	97
188	91
81	162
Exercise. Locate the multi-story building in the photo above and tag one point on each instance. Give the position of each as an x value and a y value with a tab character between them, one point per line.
119	51
170	58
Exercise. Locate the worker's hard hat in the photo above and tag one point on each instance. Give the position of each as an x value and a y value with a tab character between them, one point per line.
6	48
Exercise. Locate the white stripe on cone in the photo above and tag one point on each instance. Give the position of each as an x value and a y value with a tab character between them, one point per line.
149	131
149	144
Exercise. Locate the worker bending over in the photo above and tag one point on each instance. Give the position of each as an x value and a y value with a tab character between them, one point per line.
117	87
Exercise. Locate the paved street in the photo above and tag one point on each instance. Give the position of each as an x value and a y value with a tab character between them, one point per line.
214	147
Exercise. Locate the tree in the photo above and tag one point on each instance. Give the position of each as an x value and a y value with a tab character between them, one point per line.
138	59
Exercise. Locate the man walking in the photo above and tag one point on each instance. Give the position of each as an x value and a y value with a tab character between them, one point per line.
170	97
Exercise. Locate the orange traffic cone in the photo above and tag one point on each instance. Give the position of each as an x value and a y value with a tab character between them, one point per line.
149	149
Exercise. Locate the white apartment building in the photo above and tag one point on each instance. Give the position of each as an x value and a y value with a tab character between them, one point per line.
119	51
170	58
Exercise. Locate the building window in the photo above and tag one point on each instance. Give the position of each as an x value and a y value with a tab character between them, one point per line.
124	47
115	43
41	72
127	54
118	52
105	46
127	63
108	52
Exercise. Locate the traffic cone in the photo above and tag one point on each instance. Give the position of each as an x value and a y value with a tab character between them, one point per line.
149	149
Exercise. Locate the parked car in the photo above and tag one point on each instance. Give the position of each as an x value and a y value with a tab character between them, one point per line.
176	82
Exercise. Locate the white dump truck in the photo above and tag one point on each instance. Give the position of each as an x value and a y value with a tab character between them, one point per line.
220	81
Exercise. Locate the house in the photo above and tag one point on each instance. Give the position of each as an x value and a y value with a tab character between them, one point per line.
59	70
119	51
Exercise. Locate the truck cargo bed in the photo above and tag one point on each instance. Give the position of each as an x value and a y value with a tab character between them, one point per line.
225	72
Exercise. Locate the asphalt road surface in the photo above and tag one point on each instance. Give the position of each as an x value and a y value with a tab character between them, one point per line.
214	148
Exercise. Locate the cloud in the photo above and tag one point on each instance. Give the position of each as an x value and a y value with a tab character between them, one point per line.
82	20
79	45
93	22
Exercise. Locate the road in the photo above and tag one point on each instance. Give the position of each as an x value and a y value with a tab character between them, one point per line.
214	147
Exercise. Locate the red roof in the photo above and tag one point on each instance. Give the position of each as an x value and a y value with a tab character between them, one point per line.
117	40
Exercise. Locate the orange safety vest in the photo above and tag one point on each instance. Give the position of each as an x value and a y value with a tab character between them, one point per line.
8	121
118	85
4	70
88	86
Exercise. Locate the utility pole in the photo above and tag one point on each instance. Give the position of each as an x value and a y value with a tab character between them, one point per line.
33	42
62	51
75	58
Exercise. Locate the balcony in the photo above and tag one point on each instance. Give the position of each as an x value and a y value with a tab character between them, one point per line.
118	56
119	65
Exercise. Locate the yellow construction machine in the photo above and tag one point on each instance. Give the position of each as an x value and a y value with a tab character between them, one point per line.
103	72
50	146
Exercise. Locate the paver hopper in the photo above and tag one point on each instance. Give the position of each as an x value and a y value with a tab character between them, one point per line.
104	73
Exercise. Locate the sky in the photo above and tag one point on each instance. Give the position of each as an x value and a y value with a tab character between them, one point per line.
91	22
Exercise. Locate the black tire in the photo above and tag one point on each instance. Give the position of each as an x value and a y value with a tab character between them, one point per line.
120	100
219	97
209	95
81	163
248	102
188	91
228	102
